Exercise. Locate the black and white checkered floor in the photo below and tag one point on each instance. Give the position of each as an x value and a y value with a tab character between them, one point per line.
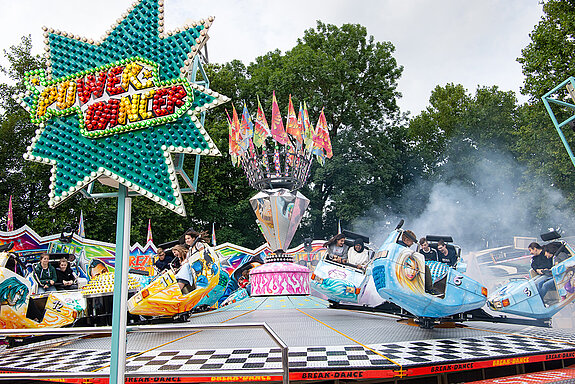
412	353
318	339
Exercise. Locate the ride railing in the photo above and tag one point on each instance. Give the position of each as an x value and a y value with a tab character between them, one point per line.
284	371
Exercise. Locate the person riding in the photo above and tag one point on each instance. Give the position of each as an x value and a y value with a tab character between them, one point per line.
429	253
446	254
408	238
46	274
186	276
358	255
179	252
539	263
336	248
554	253
163	261
191	236
65	277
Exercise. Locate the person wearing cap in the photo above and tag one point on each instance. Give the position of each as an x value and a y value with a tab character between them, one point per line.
358	255
408	238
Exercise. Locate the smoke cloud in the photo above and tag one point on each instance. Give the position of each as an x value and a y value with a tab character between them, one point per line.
484	207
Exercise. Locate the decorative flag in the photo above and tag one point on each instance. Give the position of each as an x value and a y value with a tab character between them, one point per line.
81	231
292	126
10	222
214	234
300	126
233	144
277	128
239	133
247	127
308	131
338	226
149	238
321	141
261	128
236	133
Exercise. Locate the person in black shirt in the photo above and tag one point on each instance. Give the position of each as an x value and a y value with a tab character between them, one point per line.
539	263
65	277
446	255
163	261
429	253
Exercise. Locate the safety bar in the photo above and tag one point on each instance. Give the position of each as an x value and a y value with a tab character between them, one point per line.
150	328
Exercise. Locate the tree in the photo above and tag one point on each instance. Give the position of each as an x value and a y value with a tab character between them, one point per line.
354	78
550	56
546	61
340	69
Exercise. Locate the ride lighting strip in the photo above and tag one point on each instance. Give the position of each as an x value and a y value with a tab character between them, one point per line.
400	373
170	342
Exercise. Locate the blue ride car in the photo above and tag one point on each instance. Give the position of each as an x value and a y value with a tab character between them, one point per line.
340	282
521	297
400	274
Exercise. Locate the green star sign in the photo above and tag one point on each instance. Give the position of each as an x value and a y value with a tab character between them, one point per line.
116	109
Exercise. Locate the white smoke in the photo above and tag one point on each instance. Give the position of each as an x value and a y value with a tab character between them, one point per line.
487	209
492	202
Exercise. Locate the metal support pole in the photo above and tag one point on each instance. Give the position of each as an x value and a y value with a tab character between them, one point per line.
119	311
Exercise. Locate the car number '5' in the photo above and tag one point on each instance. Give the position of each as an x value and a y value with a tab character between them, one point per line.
527	292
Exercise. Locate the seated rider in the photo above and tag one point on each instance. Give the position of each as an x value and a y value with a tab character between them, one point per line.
65	277
556	253
539	263
429	253
446	255
46	274
244	278
163	261
186	276
358	255
408	238
336	248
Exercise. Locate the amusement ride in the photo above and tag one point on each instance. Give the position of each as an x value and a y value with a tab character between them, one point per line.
124	111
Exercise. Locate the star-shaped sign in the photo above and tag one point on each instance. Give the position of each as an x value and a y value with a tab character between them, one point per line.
116	109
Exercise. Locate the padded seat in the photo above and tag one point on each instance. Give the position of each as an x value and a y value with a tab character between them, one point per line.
438	270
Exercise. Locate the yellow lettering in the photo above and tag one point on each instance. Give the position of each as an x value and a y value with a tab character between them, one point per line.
66	95
129	109
47	98
130	76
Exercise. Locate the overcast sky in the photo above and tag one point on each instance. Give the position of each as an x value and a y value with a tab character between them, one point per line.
473	42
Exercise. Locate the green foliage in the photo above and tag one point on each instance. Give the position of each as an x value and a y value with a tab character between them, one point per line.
550	56
546	62
341	69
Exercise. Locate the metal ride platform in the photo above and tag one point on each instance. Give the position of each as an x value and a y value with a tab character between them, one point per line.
323	344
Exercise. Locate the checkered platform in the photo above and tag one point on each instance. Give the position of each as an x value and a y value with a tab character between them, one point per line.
408	354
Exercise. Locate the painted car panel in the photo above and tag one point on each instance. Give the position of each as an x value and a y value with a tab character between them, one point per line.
163	296
399	276
524	299
339	282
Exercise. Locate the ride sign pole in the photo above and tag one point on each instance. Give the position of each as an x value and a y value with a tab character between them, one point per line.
120	298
